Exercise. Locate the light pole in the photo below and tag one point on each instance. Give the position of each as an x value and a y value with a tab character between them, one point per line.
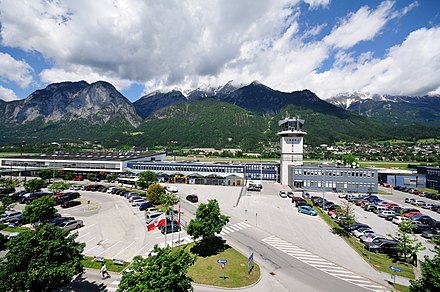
54	155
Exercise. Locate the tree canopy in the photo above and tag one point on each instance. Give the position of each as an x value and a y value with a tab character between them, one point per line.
406	241
40	210
145	179
430	280
9	183
34	184
154	193
58	186
164	271
208	221
40	260
46	174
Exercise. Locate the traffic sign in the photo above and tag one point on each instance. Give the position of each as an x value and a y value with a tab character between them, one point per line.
222	261
395	269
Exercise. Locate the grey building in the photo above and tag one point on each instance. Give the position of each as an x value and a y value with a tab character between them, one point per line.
333	178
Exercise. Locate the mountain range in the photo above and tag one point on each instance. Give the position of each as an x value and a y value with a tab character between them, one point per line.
227	116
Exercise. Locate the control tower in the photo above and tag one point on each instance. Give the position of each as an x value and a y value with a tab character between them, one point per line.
291	144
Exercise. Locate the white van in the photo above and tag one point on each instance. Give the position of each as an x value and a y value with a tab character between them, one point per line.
379	209
150	216
387	213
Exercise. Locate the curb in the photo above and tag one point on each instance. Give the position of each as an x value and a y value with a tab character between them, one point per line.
226	288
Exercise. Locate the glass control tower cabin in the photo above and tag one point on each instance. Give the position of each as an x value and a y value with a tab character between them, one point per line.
291	145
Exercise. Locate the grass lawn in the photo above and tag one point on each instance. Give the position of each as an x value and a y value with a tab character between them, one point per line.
379	261
15	229
88	262
428	190
207	271
400	287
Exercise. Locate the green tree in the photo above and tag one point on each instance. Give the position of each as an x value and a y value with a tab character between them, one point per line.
90	176
40	260
46	174
348	216
110	178
9	183
69	175
34	185
168	200
430	280
40	210
208	221
145	179
59	186
3	241
164	271
406	241
154	193
348	159
6	204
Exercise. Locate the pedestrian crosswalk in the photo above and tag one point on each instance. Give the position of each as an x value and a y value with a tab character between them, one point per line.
229	228
322	264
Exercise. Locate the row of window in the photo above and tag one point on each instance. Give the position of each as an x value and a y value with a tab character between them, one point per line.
334	172
188	168
333	184
433	172
51	164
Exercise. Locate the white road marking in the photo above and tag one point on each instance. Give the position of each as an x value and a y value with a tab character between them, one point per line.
90	240
321	264
85	227
97	245
82	235
86	251
115	256
136	253
108	248
228	229
234	227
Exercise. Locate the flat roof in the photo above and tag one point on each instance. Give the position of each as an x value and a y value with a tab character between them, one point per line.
97	156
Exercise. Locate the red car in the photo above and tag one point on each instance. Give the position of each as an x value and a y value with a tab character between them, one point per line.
410	214
78	178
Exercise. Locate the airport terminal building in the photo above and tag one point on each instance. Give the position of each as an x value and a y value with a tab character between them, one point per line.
291	170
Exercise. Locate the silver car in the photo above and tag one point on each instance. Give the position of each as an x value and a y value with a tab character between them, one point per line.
71	225
10	216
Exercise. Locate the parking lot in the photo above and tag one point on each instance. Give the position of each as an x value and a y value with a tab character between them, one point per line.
115	230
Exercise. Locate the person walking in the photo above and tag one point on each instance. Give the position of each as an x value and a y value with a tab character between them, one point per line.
104	272
414	259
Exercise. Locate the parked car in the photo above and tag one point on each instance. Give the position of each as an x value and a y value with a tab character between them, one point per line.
361	231
369	237
387	214
356	226
430	234
10	216
150	216
399	219
71	225
283	194
253	188
145	205
169	228
137	202
419	228
134	197
386	246
302	203
57	221
78	178
290	194
192	198
69	204
307	210
297	199
407	200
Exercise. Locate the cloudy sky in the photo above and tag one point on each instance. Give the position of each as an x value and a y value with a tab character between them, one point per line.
327	46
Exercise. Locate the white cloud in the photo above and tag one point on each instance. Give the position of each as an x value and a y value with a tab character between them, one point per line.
362	25
317	3
14	70
7	94
78	72
411	68
192	43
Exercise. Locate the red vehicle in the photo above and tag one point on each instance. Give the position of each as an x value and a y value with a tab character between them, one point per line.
410	214
78	178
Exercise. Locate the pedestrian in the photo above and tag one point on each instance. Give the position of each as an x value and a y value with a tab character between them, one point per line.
414	259
104	272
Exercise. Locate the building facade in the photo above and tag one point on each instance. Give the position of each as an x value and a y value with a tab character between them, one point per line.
291	145
333	178
432	176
